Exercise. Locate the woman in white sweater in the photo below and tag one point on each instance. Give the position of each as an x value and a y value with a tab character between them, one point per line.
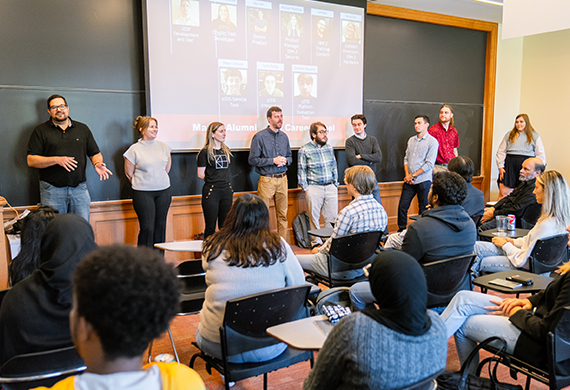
503	254
244	257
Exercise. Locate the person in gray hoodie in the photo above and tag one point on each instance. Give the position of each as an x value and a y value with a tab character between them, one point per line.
444	230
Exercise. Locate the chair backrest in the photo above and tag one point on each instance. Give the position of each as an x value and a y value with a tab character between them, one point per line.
476	219
558	342
529	216
40	368
246	319
193	276
548	254
353	251
446	277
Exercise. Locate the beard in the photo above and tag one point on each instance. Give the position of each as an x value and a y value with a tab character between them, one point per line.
320	142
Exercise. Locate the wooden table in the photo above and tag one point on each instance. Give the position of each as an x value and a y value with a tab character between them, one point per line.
540	282
181	246
306	334
322	233
510	233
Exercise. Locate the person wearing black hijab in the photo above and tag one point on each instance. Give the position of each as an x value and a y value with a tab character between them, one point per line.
396	345
34	316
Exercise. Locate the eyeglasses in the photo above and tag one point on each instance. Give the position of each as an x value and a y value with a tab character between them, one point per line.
323	132
60	107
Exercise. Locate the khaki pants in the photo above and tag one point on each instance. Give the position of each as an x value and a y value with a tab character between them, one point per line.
439	168
275	188
321	199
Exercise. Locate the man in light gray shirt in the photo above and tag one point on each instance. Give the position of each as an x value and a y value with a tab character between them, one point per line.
418	166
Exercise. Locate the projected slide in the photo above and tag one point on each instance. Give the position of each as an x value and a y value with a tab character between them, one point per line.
230	60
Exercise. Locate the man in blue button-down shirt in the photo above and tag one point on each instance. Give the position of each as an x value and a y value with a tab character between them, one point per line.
418	166
270	154
318	177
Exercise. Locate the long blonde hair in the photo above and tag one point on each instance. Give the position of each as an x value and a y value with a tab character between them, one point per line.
209	145
528	130
556	198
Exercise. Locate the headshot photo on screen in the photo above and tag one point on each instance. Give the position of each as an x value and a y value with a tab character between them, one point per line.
321	28
350	31
259	20
306	85
186	12
271	84
222	16
234	81
292	24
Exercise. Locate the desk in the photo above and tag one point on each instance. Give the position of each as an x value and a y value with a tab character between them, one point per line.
302	334
540	282
322	233
181	246
517	233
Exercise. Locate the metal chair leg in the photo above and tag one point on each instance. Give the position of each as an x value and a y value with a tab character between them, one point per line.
173	347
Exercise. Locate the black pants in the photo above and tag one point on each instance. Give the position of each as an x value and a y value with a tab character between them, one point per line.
217	199
151	208
408	193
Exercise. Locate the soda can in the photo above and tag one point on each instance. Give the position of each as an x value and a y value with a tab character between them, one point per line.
511	222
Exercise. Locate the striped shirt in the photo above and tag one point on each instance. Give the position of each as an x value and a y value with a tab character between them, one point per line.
363	214
316	165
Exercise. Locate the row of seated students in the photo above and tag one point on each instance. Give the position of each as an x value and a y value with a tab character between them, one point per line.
245	257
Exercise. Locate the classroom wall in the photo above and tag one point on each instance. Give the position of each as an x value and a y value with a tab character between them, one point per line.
533	77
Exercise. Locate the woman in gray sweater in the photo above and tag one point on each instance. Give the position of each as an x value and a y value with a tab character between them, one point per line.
394	346
244	257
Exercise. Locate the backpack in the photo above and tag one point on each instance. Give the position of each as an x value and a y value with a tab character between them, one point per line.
301	230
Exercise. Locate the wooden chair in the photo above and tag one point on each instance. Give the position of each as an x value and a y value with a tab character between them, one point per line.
244	329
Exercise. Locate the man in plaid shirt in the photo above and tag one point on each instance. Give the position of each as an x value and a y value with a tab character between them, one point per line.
318	177
363	214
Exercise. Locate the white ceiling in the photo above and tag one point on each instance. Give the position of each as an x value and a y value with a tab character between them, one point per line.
464	8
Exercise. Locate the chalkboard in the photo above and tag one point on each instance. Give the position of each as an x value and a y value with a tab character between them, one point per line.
92	53
412	68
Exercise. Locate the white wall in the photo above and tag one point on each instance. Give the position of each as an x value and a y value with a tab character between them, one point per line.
533	76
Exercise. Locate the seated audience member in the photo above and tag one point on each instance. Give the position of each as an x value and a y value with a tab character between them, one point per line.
503	253
123	298
518	200
244	257
33	229
523	323
474	203
394	346
363	214
34	316
444	230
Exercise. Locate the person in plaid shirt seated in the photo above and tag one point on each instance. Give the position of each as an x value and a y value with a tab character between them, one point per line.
363	214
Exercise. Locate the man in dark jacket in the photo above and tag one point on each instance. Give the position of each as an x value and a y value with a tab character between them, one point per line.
519	199
474	203
445	230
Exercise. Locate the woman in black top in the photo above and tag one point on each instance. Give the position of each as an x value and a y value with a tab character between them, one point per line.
213	167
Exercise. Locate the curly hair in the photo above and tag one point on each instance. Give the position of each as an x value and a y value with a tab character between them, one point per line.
449	187
129	295
245	236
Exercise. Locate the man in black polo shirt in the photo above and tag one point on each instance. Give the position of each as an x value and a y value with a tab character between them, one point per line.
58	148
270	154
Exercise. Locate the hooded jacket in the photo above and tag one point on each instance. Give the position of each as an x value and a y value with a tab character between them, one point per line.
440	233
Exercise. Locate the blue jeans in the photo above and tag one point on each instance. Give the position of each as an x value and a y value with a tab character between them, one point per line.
490	258
74	200
466	318
256	356
408	193
361	296
376	194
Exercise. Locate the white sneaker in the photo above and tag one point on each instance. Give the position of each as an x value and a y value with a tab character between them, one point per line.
231	384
